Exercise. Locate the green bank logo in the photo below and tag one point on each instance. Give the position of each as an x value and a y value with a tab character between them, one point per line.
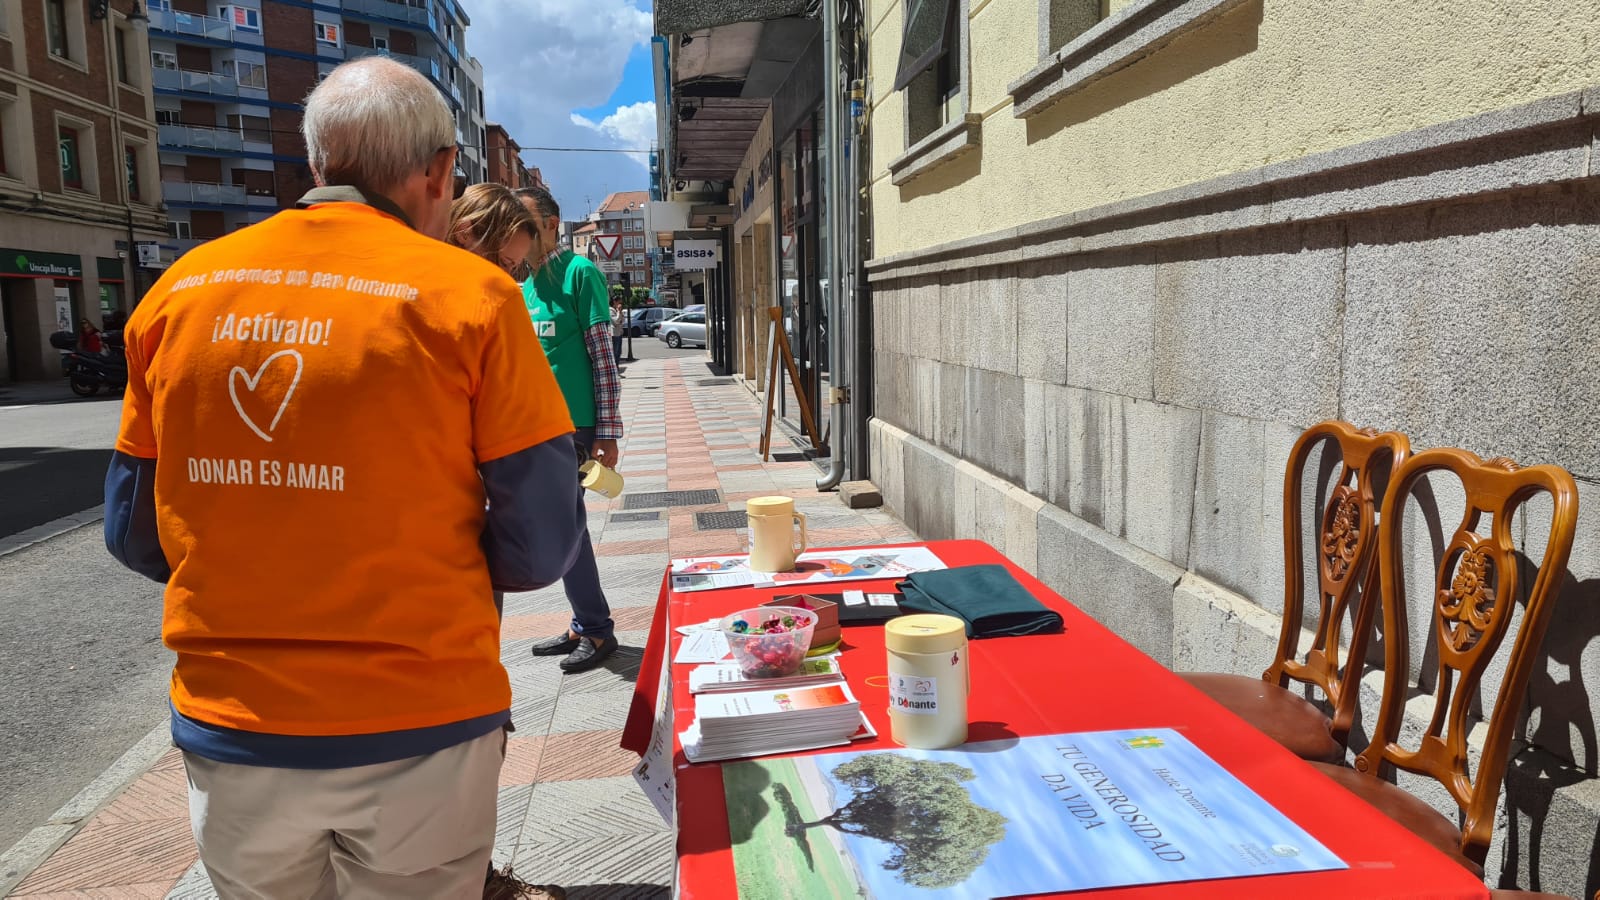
22	263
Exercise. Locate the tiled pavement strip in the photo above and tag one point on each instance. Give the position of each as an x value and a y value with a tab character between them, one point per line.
569	811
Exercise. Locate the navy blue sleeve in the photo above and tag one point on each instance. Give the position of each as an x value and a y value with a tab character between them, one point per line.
131	533
534	527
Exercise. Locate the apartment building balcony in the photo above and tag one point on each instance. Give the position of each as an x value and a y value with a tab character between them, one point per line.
180	25
193	193
393	12
214	84
200	138
422	64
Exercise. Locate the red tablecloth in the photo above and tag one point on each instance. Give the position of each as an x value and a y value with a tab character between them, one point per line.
1085	679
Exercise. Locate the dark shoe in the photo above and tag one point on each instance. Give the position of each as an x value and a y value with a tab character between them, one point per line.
503	885
557	646
588	655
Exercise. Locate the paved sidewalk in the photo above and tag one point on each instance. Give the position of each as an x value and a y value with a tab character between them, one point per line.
570	813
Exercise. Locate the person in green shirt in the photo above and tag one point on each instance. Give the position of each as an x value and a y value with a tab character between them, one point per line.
569	303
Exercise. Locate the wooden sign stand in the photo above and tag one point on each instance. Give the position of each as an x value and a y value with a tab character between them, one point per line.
778	344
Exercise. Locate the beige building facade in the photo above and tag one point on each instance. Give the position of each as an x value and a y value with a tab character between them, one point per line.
1124	253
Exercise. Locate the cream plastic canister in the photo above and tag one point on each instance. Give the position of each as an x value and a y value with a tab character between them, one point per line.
928	681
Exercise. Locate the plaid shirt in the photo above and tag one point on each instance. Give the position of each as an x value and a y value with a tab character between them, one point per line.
607	381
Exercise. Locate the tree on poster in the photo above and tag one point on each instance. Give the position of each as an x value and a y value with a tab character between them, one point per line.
920	808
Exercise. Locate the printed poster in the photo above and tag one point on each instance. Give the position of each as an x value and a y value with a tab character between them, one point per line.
1037	815
704	573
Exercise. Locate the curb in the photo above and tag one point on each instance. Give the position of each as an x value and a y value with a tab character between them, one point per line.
37	845
38	534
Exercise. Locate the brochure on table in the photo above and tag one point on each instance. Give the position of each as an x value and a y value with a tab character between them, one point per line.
1037	815
704	573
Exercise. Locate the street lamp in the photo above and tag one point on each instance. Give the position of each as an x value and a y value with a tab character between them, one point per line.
100	9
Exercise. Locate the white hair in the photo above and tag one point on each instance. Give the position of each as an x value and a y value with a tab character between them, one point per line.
374	122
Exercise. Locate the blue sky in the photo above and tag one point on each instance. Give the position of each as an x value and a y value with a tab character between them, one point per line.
570	73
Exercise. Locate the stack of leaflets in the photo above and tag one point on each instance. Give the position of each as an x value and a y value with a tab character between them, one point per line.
755	723
720	678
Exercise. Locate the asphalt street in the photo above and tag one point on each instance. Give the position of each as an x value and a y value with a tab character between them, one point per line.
53	453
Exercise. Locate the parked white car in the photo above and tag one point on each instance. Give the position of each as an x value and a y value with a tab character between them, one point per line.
689	328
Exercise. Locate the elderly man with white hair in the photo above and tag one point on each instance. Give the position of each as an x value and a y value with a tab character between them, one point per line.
340	438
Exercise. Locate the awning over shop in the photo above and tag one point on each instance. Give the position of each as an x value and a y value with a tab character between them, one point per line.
683	16
724	79
109	269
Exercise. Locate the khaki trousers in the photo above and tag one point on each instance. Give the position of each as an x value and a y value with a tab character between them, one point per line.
415	828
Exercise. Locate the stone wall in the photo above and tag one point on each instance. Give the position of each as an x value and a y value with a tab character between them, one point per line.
1111	396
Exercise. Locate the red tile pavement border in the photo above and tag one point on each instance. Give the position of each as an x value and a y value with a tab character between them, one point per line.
515	628
521	765
585	754
843	537
640	473
629	548
112	855
160	793
150	890
634	618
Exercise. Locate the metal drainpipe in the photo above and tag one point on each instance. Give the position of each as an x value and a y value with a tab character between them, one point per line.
834	140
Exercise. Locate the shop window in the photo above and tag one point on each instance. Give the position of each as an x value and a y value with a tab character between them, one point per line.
109	301
327	34
179	229
243	18
69	146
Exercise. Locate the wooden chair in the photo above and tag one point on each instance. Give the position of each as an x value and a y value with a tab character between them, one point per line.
1347	581
1475	590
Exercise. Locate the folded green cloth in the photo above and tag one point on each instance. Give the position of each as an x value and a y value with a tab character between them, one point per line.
987	598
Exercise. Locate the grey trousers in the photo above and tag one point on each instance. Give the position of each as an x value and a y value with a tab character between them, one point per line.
414	828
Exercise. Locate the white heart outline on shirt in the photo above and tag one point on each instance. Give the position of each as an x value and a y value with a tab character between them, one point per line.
250	382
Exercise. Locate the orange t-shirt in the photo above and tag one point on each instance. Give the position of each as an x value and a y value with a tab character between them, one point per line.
318	391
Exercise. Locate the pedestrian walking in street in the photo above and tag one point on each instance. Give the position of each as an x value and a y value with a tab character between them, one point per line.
339	437
619	327
567	298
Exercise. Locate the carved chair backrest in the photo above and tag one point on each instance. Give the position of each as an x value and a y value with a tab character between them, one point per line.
1475	590
1346	548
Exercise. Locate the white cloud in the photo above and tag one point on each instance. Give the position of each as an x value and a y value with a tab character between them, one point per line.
633	125
545	59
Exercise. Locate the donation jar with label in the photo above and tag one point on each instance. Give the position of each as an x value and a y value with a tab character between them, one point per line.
928	681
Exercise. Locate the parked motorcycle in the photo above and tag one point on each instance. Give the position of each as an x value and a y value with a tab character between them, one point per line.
87	373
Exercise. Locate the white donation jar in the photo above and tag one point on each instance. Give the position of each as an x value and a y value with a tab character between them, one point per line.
928	681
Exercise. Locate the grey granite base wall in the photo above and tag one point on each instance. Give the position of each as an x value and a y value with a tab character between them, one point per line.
1111	398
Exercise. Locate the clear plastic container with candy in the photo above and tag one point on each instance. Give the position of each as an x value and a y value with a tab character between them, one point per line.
769	641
